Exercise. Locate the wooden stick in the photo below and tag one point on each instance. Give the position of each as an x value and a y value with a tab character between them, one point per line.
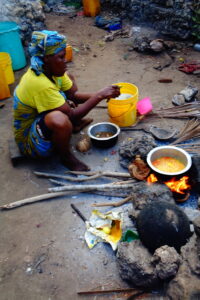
47	175
115	204
120	290
78	212
96	187
32	200
106	173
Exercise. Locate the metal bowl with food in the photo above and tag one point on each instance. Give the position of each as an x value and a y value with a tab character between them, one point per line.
104	134
169	160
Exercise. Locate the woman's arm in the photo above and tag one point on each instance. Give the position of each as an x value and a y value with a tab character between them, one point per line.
73	93
79	112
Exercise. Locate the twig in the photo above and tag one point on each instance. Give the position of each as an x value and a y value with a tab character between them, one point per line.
78	212
32	200
115	204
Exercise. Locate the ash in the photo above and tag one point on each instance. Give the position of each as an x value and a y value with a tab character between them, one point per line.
141	145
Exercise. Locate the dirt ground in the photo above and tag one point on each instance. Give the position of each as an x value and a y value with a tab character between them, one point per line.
43	254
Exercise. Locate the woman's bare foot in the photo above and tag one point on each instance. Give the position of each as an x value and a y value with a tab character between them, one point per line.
81	124
72	163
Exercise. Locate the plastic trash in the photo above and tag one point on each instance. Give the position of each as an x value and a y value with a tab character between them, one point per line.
144	106
104	228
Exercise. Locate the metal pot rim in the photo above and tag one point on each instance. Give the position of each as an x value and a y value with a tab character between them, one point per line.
183	152
106	138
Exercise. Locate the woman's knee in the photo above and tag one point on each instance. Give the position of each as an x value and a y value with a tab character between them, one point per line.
56	120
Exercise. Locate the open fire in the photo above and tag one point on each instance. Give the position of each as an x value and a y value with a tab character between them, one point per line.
180	187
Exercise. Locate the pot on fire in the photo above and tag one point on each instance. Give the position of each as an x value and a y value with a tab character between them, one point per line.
169	160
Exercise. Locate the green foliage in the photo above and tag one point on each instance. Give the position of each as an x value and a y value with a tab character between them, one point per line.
196	23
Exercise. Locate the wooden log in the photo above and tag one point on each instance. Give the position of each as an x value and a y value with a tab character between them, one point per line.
48	175
106	173
96	187
32	200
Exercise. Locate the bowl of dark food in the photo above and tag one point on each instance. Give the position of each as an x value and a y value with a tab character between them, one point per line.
169	160
104	134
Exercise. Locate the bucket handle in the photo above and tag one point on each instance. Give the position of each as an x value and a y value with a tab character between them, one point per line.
122	113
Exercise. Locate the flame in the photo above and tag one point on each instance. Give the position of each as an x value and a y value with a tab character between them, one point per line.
178	186
152	178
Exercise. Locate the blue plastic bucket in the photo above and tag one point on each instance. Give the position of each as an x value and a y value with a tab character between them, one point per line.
10	42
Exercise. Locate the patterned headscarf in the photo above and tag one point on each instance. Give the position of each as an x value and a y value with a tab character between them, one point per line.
43	43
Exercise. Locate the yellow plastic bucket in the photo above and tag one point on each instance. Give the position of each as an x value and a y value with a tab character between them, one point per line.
123	112
6	67
4	88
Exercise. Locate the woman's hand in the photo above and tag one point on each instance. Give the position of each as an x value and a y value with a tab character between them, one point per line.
108	92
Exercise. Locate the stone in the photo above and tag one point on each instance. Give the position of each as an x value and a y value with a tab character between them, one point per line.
167	261
196	223
134	263
189	93
185	285
178	100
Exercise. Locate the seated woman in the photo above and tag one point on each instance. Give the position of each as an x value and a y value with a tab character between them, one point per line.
43	117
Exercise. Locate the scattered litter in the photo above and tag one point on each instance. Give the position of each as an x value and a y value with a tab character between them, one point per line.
108	24
165	80
181	59
104	228
130	236
121	33
197	47
29	270
189	68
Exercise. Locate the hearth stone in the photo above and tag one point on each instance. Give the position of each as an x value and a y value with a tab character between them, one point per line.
144	194
141	269
161	223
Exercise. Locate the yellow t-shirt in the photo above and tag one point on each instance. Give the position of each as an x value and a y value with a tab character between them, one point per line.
40	93
34	95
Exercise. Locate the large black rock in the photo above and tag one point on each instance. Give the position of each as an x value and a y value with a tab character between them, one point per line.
163	223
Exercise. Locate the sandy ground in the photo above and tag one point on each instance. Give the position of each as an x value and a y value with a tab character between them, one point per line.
43	254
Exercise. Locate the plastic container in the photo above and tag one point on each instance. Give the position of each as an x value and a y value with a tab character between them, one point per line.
6	67
10	42
197	47
144	106
123	112
91	8
4	88
69	53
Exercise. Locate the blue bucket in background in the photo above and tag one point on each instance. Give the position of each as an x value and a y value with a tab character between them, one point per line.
10	42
